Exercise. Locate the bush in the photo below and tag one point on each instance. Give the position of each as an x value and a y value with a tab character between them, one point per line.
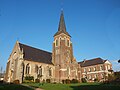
67	81
26	81
74	81
16	82
83	80
1	81
37	80
63	81
48	80
96	80
29	78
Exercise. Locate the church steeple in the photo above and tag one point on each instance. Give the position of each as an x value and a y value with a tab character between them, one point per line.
62	26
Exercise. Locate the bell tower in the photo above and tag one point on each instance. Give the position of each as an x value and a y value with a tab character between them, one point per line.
62	54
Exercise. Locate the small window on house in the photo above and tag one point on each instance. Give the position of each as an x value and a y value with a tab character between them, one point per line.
101	67
84	69
94	68
102	76
108	67
90	77
95	76
89	69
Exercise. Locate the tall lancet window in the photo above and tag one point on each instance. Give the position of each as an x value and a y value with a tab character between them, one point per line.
68	71
36	69
68	43
50	72
56	42
28	69
40	71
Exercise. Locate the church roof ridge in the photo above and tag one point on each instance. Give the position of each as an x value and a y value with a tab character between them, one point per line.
34	47
35	54
91	62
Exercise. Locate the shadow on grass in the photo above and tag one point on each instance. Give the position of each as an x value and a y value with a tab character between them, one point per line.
96	87
4	86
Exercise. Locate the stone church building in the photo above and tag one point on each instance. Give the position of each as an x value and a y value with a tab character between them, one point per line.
58	65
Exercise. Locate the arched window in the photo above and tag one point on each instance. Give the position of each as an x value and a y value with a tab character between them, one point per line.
68	71
28	69
40	71
50	72
102	76
85	70
108	67
36	69
68	43
90	77
76	72
101	67
89	69
56	42
95	76
94	68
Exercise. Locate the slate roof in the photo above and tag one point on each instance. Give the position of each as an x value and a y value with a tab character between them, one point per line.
91	62
62	26
37	55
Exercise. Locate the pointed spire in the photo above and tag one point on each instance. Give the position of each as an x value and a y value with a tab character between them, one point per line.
62	26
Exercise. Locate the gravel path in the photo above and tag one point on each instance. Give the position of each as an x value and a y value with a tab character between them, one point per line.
38	89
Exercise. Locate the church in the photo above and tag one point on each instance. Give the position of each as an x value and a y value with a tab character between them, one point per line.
58	65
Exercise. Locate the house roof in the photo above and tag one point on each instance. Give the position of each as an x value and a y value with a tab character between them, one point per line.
91	62
34	54
62	26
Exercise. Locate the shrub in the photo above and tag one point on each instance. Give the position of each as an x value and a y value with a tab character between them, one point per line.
74	81
83	80
16	82
29	78
63	81
96	80
43	81
1	81
37	80
67	81
48	80
26	81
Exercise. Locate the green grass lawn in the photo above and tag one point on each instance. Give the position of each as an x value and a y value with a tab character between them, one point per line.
14	87
48	86
82	86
